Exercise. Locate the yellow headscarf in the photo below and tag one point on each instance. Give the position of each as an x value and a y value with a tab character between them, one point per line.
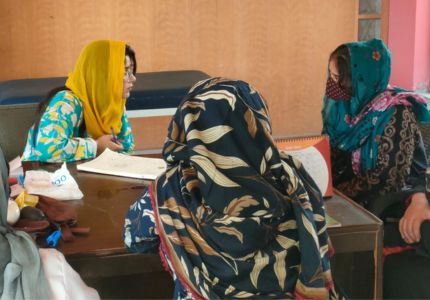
97	81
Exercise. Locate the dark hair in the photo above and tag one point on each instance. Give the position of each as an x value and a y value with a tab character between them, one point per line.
45	102
342	59
130	52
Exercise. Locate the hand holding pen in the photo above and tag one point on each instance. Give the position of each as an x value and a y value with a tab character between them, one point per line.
114	137
109	141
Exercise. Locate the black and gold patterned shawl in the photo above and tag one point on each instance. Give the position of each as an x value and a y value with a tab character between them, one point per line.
237	218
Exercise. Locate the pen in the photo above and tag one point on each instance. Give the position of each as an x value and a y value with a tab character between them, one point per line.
114	138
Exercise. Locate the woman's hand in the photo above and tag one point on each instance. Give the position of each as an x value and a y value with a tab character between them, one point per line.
417	212
105	141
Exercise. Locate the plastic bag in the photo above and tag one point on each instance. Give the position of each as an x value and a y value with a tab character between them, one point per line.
59	185
63	281
24	199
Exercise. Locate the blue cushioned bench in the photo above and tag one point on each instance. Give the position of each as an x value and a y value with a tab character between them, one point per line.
152	90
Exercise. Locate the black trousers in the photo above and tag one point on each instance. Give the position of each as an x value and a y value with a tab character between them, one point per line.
407	274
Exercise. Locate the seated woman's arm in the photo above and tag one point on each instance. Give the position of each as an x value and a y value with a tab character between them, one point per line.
126	136
139	233
417	177
58	138
416	213
418	209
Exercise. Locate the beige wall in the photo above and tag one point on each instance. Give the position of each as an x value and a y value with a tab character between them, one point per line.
279	46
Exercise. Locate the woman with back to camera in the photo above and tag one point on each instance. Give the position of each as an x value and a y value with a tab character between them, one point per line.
378	155
77	121
232	216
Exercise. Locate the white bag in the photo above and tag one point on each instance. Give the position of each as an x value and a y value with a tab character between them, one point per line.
63	281
59	185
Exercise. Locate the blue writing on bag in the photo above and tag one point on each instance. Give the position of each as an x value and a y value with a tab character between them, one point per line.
60	180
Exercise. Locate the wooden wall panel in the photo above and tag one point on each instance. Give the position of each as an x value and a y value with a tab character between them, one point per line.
279	46
149	133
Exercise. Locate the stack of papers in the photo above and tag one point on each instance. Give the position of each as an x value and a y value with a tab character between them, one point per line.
118	164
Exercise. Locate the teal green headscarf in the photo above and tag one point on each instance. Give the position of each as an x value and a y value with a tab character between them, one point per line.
355	125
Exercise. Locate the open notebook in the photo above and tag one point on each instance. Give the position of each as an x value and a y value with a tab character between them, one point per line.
314	153
118	164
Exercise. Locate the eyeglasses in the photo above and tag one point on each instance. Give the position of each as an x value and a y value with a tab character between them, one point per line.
128	73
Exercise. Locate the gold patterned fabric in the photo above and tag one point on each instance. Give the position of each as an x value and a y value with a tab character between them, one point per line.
395	163
237	218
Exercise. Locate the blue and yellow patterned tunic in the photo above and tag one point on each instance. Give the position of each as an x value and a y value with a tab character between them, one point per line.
58	133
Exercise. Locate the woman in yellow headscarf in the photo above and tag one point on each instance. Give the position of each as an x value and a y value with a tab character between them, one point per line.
87	115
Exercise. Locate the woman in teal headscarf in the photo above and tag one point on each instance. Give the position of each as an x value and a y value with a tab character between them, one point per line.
378	156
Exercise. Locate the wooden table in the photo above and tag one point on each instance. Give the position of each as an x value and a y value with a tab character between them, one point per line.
100	257
358	246
103	208
107	199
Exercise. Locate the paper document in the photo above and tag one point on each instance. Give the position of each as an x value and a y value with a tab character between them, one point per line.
113	163
314	153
